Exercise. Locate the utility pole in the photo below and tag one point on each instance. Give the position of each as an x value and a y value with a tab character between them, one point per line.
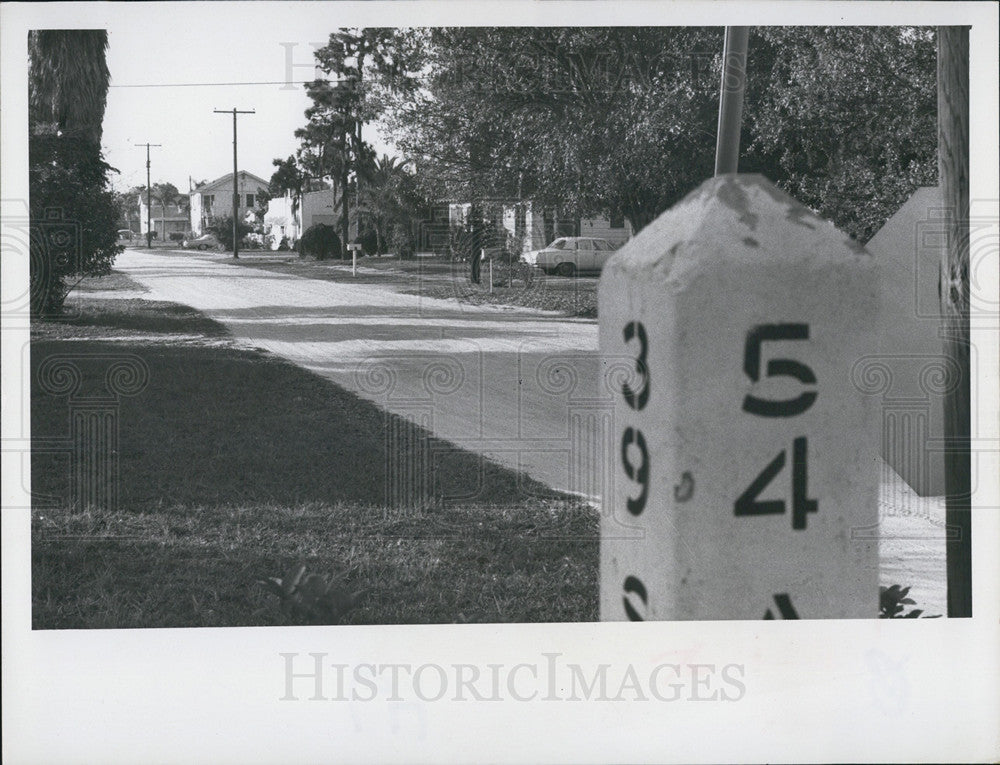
236	193
149	204
734	81
345	224
953	171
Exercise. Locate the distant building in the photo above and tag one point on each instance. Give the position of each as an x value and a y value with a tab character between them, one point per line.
214	199
529	225
290	217
169	224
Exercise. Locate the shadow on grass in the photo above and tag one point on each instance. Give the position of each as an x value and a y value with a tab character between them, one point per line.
148	316
234	466
222	426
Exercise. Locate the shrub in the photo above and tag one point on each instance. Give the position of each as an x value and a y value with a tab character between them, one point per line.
402	241
368	241
223	230
320	241
283	245
73	214
252	241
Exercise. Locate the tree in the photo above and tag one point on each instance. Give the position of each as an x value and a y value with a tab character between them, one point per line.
848	116
622	120
166	194
388	196
341	106
287	177
127	203
73	214
588	120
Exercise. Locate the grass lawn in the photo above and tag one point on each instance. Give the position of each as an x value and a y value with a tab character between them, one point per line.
442	278
235	467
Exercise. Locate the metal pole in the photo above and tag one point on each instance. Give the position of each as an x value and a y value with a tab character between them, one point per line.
149	203
236	194
734	80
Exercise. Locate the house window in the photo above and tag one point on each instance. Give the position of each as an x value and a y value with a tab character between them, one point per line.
617	221
209	199
249	200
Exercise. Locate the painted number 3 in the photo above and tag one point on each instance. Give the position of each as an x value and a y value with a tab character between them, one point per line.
637	400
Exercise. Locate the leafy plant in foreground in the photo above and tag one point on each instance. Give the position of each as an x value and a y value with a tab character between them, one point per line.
892	601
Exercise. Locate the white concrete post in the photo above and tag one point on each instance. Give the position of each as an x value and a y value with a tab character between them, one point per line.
491	276
354	257
746	456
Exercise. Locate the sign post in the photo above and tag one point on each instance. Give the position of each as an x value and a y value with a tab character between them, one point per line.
746	454
354	257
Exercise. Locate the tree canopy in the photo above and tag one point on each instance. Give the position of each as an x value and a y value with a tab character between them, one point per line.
622	120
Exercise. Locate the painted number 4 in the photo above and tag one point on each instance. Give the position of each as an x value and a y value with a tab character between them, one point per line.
747	503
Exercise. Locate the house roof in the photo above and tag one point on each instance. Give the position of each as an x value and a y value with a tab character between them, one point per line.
227	179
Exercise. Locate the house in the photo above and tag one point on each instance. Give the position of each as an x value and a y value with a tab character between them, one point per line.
214	199
168	224
529	225
290	216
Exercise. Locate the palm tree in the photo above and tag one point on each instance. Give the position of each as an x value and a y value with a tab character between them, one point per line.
68	81
381	197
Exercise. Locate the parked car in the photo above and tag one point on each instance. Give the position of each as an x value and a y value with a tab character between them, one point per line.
203	242
125	235
569	255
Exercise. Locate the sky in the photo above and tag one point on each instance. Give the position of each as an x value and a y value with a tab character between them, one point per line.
181	70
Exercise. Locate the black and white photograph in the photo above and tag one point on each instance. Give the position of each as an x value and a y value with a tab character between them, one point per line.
375	371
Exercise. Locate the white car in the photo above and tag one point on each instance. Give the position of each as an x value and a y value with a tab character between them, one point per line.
203	242
570	255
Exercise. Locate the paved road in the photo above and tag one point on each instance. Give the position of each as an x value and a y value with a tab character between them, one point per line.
524	389
515	385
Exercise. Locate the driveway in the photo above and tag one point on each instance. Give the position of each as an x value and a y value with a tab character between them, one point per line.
524	389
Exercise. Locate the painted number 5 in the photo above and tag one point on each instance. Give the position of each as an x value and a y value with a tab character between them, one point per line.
777	368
